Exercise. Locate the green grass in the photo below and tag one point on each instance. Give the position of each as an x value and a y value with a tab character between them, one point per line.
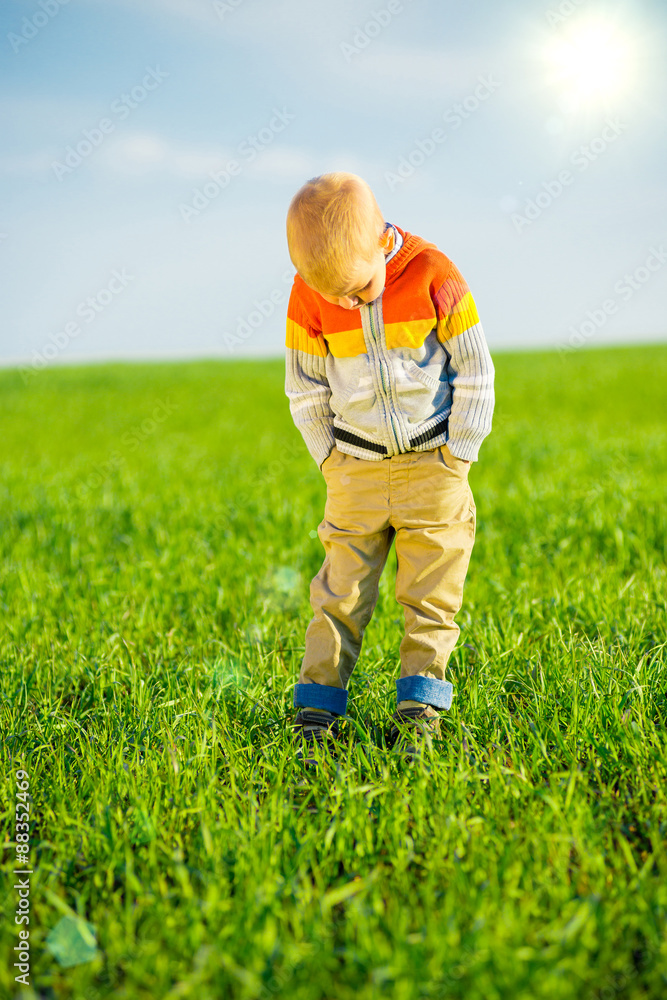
154	600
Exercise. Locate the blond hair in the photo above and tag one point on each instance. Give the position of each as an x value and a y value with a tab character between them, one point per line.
334	224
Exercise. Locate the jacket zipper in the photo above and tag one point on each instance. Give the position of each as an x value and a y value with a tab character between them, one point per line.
376	340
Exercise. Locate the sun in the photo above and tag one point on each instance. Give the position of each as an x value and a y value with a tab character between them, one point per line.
591	62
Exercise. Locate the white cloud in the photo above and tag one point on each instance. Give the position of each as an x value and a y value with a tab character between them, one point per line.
139	153
385	68
284	163
135	154
132	154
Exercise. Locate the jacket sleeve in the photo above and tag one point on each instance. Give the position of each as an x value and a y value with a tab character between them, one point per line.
470	370
306	383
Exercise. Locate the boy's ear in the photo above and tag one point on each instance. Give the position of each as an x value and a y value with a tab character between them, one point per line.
387	241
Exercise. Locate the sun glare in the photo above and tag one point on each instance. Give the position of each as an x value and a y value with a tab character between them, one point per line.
591	62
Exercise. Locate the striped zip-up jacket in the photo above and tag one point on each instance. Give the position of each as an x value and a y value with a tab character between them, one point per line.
406	372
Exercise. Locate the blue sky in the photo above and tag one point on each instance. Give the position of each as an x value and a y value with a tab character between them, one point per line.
550	199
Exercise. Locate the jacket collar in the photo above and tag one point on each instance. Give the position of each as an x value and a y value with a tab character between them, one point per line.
410	247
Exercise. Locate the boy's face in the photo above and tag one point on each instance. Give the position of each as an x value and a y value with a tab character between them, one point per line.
368	283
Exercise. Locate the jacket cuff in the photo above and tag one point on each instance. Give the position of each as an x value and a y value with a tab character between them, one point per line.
463	451
319	441
466	443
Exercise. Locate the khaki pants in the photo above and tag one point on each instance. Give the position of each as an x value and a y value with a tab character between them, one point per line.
423	500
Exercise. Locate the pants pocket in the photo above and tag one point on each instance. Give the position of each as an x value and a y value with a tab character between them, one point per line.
453	463
332	459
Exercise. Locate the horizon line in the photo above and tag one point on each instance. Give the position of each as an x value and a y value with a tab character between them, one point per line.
8	364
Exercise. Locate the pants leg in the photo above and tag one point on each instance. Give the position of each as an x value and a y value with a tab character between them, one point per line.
357	536
435	532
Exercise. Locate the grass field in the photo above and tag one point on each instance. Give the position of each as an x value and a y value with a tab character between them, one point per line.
157	544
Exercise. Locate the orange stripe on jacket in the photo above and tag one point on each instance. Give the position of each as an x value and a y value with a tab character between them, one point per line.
423	291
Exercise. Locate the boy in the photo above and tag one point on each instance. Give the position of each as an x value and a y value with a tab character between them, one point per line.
390	382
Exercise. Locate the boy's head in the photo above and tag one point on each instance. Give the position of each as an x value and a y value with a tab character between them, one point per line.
336	239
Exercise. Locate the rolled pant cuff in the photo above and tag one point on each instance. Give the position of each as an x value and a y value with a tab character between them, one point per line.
426	689
321	696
